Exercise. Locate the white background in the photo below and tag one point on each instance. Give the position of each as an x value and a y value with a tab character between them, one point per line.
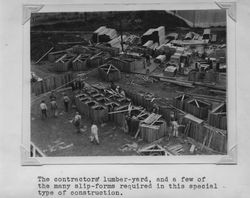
19	181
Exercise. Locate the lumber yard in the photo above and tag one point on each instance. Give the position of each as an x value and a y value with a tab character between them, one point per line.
112	91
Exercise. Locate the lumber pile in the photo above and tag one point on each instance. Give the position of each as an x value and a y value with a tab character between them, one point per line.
157	35
109	73
174	149
104	34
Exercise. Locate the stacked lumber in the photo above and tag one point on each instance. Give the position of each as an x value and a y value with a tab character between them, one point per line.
64	63
109	72
80	63
157	35
174	149
104	34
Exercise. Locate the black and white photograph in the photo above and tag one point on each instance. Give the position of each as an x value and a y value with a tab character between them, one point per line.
127	99
128	83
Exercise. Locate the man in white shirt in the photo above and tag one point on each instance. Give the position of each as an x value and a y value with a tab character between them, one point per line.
53	106
77	122
175	127
43	108
94	134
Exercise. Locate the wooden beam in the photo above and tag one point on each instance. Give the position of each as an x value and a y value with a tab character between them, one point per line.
197	103
44	55
61	58
182	97
77	58
156	120
109	69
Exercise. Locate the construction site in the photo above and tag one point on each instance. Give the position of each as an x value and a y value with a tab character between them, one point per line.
153	82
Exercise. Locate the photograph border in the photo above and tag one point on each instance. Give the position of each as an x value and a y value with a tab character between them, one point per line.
230	158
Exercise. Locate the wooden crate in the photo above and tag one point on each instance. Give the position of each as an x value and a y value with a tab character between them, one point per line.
179	101
83	107
88	107
99	113
119	118
200	111
64	63
80	63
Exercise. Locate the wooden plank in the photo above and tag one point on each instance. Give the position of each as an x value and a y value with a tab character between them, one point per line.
159	116
109	69
44	55
197	103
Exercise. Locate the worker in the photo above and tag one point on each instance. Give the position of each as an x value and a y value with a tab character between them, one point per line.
175	127
52	96
155	108
43	108
66	101
172	116
125	125
53	106
123	93
82	84
182	68
148	59
77	122
73	85
94	134
117	89
112	85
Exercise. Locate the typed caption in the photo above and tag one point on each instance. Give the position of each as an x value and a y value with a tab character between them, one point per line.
117	186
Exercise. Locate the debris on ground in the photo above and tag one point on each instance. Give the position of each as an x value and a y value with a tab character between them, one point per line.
129	147
153	149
